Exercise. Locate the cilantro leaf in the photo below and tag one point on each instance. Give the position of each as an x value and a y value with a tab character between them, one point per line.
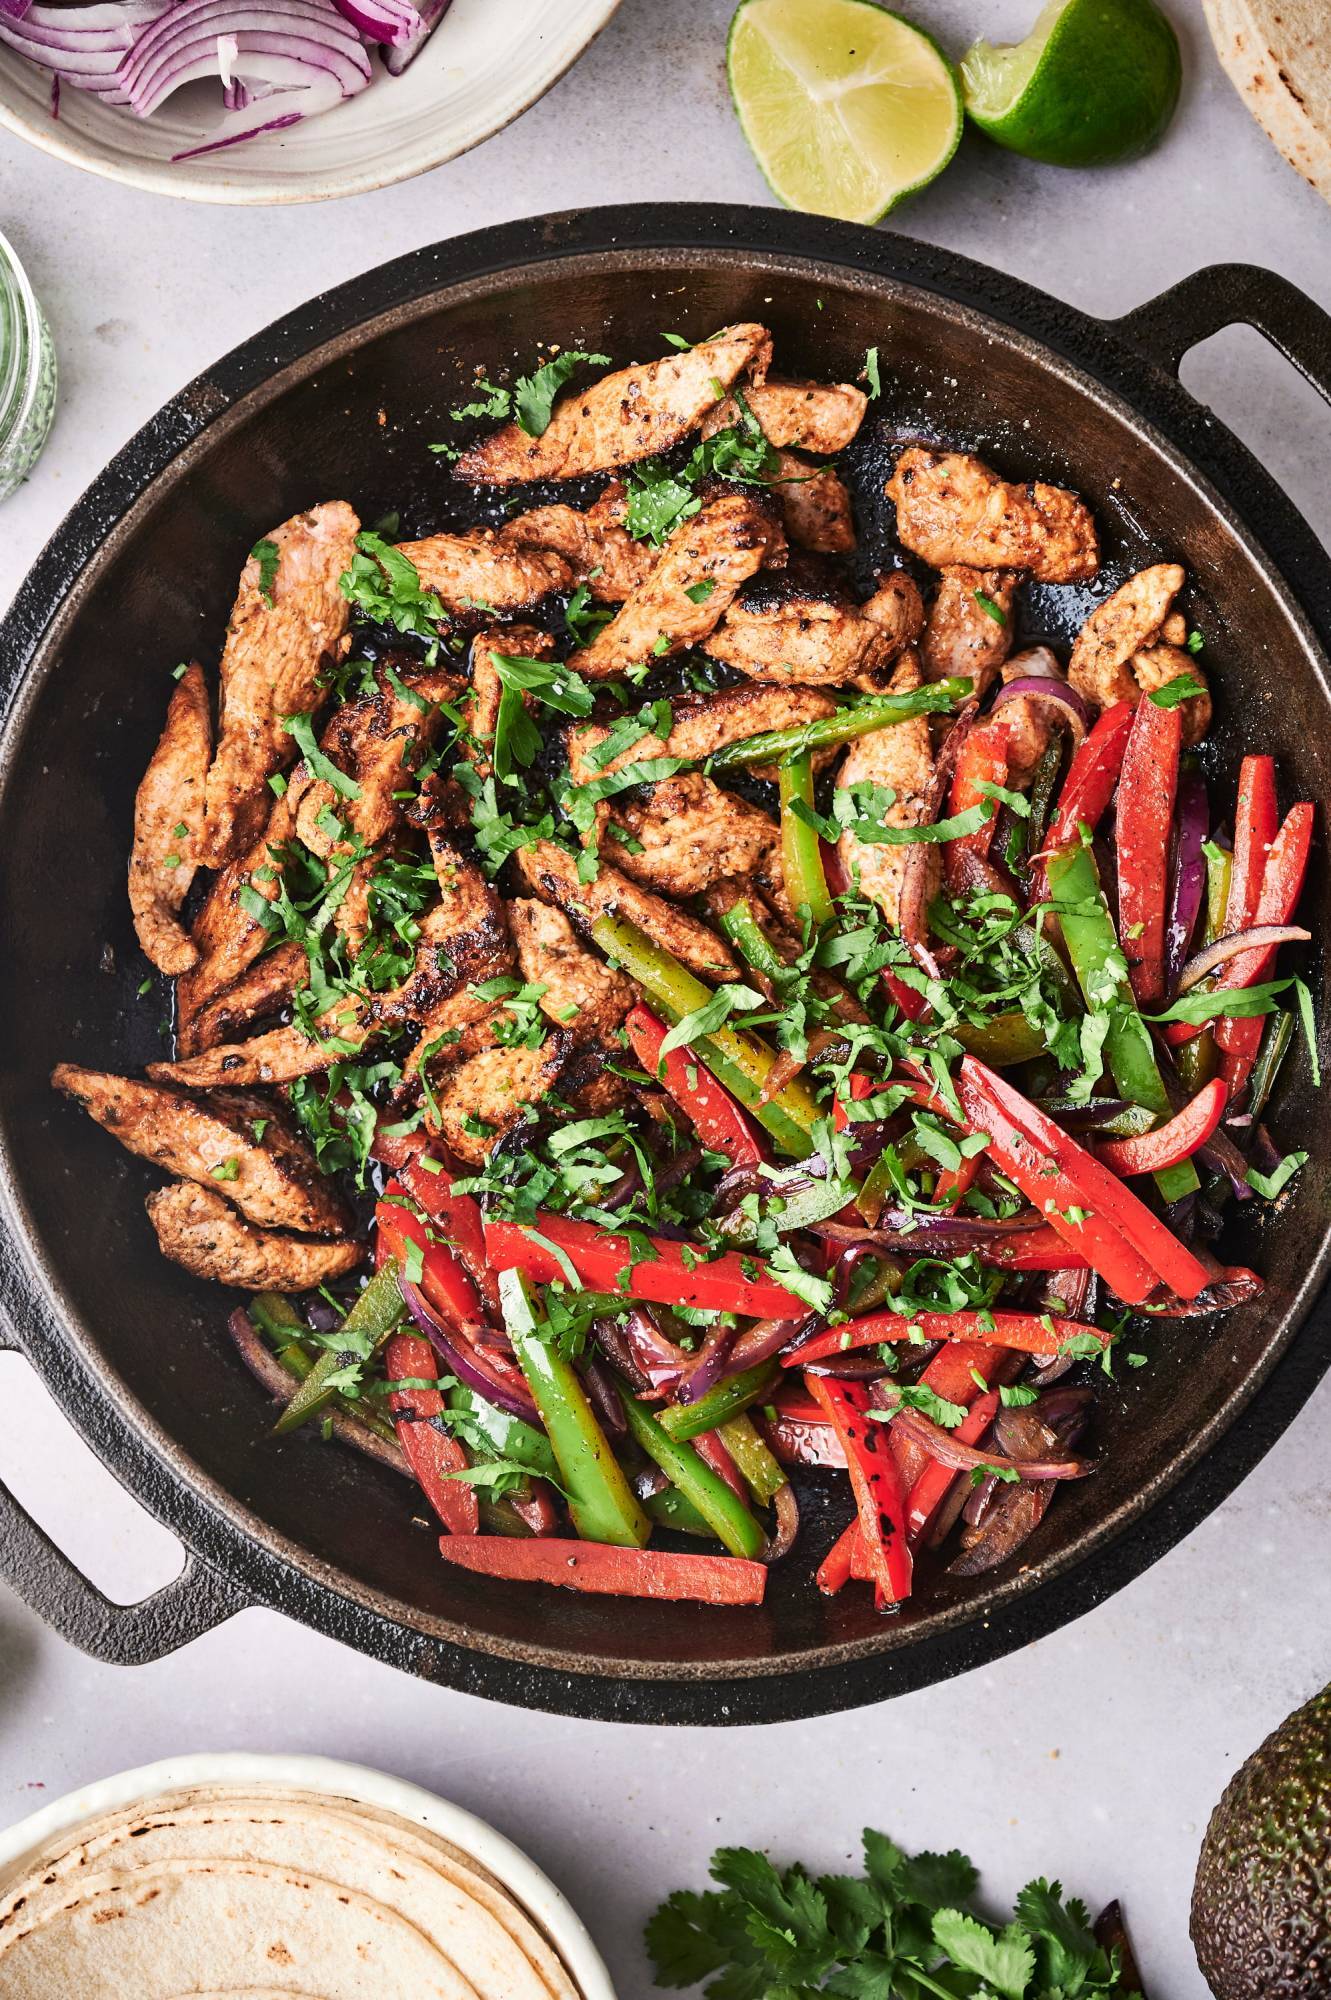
268	556
301	730
1174	693
1006	1963
534	394
385	586
872	375
732	998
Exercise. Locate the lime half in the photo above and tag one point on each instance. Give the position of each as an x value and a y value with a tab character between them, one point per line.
847	108
1094	81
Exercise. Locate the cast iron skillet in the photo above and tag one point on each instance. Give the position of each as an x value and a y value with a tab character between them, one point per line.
341	399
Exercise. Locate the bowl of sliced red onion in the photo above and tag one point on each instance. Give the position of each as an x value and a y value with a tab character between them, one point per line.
277	100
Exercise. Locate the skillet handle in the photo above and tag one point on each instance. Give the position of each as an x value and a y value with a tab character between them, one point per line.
121	1635
1234	294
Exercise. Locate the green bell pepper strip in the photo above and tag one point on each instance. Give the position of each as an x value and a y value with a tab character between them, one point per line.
757	951
801	855
1195	1051
279	1322
1219	875
1002	1042
728	1518
600	1500
669	1509
507	1436
738	1060
763	1474
690	1420
373	1316
1278	1035
828	732
1088	933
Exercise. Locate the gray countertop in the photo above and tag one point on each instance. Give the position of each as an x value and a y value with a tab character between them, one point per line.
1095	1755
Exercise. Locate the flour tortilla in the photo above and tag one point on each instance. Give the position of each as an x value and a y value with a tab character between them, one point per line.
1278	56
157	1933
303	1835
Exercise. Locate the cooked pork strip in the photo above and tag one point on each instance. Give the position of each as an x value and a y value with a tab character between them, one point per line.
625	416
597	546
900	757
688	589
1030	726
271	663
168	818
815	506
954	511
705	723
1124	624
1155	666
961	637
228	938
196	1227
484	570
265	988
800	626
484	1096
582	993
821	417
551	872
690	833
526	642
272	1178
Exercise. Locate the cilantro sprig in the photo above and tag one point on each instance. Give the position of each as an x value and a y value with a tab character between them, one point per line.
903	1930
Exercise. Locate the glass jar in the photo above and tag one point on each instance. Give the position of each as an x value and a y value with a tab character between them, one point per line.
27	374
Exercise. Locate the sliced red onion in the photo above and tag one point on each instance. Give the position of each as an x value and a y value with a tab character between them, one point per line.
705	1368
1189	870
14	10
949	1450
393	22
656	1359
761	1341
604	1396
899	1228
488	1374
346	1427
401	55
1070	1294
1011	1519
1264	937
82	46
787	1509
1233	1285
1066	706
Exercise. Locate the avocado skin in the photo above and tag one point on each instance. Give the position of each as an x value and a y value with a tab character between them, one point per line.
1261	1904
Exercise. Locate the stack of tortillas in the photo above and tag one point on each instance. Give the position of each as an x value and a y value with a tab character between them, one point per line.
256	1893
1278	54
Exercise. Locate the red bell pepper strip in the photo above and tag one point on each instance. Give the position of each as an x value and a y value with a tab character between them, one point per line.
1256	822
1088	1205
712	1451
1030	1332
444	1282
874	1480
837	1566
1148	1152
676	1276
1146	794
712	1111
605	1571
799	1434
1039	1248
457	1219
1089	785
431	1451
1282	885
951	1374
982	760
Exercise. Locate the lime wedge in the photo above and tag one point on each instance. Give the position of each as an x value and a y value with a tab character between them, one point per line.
847	108
1094	81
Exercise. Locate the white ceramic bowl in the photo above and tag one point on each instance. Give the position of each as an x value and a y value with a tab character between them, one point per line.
550	1910
485	64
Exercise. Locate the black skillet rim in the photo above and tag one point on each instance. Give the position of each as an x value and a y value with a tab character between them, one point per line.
247	1571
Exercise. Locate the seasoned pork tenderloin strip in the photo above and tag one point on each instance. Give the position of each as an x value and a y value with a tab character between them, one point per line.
197	1228
685	833
581	992
801	626
527	642
900	757
551	873
954	511
688	588
815	506
1031	727
702	724
820	417
271	663
168	823
1126	623
596	545
964	637
483	1097
626	416
484	570
273	1179
227	936
268	985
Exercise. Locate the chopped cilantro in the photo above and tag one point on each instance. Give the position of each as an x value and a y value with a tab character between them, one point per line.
268	556
1174	693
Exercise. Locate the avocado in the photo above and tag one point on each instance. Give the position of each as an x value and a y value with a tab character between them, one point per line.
1261	1904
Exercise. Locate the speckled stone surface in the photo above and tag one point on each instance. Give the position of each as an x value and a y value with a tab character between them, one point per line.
1097	1754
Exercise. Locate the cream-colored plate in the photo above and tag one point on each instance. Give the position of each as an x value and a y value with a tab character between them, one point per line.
485	64
537	1895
